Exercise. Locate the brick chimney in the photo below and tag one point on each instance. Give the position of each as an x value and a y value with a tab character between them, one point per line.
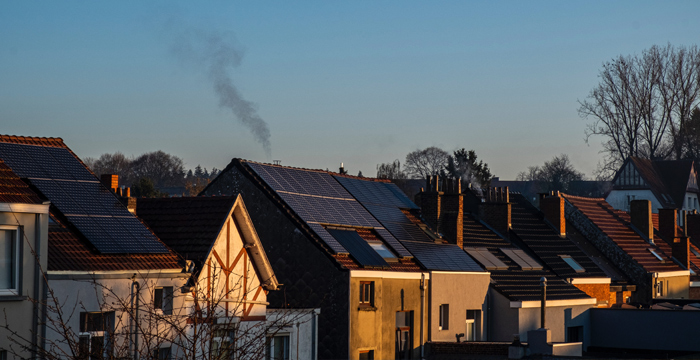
452	211
111	181
430	201
640	213
668	224
553	208
692	225
495	210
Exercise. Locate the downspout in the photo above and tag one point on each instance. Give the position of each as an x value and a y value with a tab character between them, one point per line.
135	317
37	269
422	306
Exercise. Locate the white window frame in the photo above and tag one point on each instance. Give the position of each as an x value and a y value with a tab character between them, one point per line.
470	324
270	346
221	340
444	319
166	300
106	335
17	248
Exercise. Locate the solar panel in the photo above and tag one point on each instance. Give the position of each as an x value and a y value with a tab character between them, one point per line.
486	258
522	259
387	213
77	194
328	238
447	257
372	192
300	181
359	249
329	211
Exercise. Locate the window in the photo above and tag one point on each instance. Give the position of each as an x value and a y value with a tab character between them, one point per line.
444	317
573	263
3	354
161	353
382	250
9	260
163	300
95	337
574	334
366	354
277	347
222	343
656	254
367	293
470	331
660	288
404	334
522	259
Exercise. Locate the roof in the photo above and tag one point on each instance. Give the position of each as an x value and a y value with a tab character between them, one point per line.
515	284
67	252
188	225
77	196
315	200
445	257
529	225
667	179
13	189
615	224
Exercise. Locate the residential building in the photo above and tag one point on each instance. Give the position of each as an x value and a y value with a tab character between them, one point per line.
668	184
23	256
355	248
632	243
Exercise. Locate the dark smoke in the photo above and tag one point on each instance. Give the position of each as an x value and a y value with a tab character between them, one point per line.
217	53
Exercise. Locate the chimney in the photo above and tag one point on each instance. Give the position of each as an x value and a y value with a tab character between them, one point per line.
668	225
452	211
495	210
111	181
640	213
431	203
680	248
692	225
553	209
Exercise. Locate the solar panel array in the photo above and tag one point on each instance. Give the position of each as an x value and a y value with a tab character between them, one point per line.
93	209
522	259
445	257
359	249
486	258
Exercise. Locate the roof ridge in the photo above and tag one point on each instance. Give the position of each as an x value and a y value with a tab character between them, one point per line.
332	173
33	140
581	197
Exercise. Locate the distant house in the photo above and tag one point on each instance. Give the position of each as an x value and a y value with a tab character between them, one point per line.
667	184
23	256
513	241
355	248
646	247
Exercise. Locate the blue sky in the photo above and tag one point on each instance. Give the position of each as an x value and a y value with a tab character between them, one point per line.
359	82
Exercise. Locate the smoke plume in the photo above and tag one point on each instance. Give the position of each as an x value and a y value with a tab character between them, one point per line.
217	53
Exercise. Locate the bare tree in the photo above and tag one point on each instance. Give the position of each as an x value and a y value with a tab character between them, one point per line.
427	162
554	175
642	104
391	171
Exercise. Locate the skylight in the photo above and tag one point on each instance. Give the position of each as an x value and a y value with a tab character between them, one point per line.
655	254
487	259
695	252
571	262
382	250
522	259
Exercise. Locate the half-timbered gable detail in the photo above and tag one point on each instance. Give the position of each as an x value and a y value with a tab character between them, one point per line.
231	273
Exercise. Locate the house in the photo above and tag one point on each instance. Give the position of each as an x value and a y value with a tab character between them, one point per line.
668	184
23	240
518	246
354	248
631	241
231	275
99	257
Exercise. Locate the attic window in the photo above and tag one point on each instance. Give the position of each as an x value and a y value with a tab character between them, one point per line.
571	262
695	252
382	250
653	252
522	259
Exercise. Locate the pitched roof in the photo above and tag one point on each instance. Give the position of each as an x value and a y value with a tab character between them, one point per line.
515	283
77	196
188	225
314	200
529	225
13	189
667	179
615	224
68	252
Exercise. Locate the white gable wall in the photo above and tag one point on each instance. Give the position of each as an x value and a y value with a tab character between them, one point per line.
620	199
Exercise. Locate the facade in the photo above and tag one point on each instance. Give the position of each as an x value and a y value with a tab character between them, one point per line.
23	253
667	184
512	241
354	248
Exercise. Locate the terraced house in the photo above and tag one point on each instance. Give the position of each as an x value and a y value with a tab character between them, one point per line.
356	249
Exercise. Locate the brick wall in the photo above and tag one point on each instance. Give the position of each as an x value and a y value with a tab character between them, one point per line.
694	293
619	297
553	209
497	216
599	291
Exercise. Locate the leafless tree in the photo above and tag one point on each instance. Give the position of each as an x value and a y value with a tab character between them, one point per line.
427	162
642	104
554	175
391	171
